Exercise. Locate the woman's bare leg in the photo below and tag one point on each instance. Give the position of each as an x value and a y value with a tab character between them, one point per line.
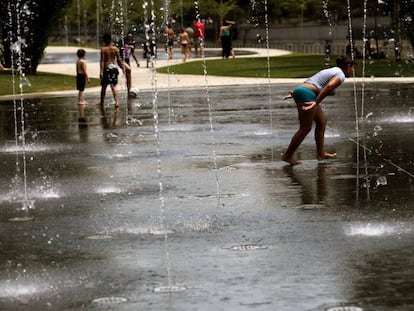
320	121
305	126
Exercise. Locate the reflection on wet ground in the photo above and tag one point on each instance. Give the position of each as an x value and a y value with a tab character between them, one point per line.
123	221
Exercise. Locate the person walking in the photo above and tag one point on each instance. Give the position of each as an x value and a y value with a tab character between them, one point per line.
109	72
81	75
308	97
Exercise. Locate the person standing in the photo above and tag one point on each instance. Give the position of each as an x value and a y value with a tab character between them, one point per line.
198	37
81	75
169	37
225	39
190	31
308	97
128	51
184	41
109	72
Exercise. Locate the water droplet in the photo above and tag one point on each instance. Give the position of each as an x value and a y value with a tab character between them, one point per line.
345	308
381	181
98	237
312	206
109	300
21	219
169	289
246	247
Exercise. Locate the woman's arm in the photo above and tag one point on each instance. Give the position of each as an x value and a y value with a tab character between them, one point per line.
332	84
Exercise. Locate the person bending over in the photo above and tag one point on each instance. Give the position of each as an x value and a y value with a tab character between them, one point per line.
308	97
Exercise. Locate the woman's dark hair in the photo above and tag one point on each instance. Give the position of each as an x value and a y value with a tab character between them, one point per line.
343	61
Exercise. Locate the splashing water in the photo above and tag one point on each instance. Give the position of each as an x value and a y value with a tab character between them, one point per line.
351	42
327	15
150	27
260	9
17	59
210	112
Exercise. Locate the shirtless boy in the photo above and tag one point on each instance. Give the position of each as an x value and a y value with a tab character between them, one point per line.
81	75
108	70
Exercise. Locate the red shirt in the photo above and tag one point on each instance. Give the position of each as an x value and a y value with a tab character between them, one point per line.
198	30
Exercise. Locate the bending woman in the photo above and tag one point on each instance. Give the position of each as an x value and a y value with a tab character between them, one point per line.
307	97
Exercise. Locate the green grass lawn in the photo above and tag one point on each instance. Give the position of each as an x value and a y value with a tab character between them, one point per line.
288	66
41	82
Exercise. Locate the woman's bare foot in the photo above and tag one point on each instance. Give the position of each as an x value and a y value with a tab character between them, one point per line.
291	161
326	156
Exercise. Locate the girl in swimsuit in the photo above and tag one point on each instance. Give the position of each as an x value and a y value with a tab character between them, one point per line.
307	97
184	40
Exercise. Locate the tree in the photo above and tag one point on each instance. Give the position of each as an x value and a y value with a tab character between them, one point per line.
25	28
407	16
403	13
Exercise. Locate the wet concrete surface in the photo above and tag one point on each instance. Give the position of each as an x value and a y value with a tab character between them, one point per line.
199	212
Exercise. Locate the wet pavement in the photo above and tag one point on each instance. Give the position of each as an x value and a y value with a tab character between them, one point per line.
186	205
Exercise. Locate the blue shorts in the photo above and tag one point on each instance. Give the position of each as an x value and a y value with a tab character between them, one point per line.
302	94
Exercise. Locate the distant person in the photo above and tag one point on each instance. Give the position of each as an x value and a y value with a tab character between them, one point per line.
199	31
128	51
109	72
184	41
307	97
352	51
367	48
190	31
81	75
169	37
225	39
149	47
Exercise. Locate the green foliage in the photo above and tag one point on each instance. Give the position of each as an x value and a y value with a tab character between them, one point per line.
26	25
